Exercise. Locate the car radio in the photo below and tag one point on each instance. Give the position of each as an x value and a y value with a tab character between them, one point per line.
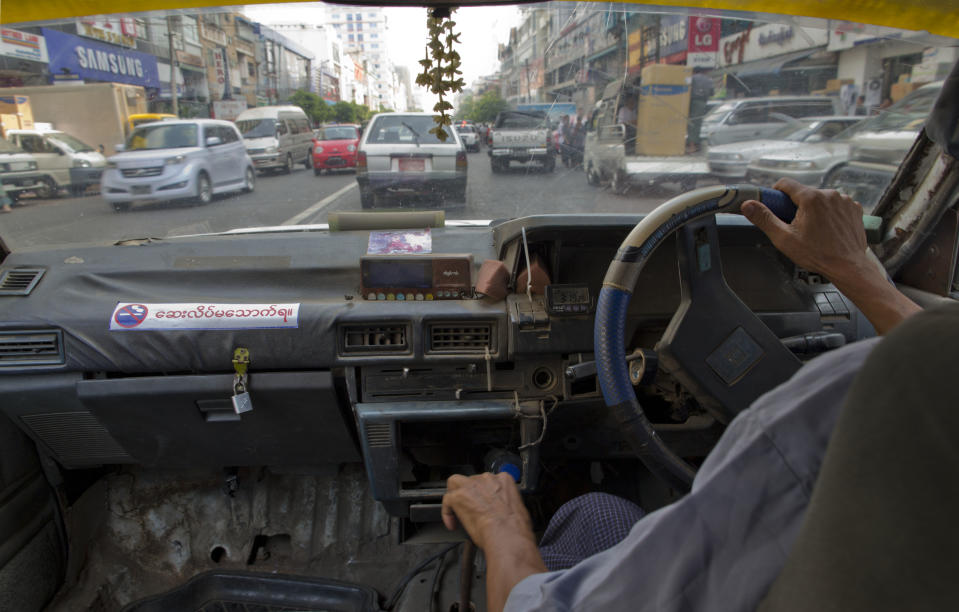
416	277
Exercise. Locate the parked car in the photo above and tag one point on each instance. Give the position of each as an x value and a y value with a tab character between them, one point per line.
178	159
18	170
469	136
877	150
334	147
729	161
277	137
751	118
399	155
64	162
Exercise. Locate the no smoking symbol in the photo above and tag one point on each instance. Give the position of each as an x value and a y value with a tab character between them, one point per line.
131	315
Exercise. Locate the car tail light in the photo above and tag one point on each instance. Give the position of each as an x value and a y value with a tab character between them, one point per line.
461	160
361	160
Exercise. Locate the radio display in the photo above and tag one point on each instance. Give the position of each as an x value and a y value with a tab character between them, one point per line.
392	273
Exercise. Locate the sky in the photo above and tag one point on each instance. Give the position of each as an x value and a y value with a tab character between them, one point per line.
481	29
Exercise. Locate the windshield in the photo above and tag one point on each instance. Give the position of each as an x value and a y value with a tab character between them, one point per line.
565	100
176	136
70	142
337	133
8	147
257	128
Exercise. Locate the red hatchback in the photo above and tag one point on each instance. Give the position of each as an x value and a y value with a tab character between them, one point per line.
334	147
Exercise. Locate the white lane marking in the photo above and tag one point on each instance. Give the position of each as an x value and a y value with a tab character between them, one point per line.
294	220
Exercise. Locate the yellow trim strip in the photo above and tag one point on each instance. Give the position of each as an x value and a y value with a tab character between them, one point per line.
934	16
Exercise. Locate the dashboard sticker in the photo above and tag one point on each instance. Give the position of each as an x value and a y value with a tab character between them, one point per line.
202	315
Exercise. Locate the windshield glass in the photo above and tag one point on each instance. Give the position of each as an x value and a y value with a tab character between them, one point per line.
176	136
70	142
257	128
561	98
337	133
8	147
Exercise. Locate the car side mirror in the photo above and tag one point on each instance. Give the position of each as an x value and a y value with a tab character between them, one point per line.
118	148
59	151
212	141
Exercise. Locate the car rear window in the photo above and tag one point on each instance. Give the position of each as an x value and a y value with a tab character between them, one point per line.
337	133
408	129
517	119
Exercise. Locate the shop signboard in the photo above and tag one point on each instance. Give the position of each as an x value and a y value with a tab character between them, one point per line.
227	110
115	31
768	40
704	34
672	37
22	45
635	52
97	61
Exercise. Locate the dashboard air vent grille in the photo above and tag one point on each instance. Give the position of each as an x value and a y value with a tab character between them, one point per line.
379	435
31	347
19	281
461	337
375	338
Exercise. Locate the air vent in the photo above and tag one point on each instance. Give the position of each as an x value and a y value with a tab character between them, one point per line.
379	435
19	281
31	348
375	338
461	338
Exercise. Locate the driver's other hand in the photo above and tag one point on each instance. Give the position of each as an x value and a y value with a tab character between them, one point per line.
827	236
488	506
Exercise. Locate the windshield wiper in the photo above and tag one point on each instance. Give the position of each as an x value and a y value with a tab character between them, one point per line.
416	135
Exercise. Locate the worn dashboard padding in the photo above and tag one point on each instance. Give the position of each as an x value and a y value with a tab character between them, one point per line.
880	532
493	279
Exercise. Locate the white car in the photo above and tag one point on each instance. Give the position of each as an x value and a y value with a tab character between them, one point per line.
469	136
170	160
398	155
64	161
729	161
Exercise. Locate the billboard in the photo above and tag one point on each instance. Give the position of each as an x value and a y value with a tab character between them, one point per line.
704	36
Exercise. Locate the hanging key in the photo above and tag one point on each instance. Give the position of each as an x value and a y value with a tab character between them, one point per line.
241	395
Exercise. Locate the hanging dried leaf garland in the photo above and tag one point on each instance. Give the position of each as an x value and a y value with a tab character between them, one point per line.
441	67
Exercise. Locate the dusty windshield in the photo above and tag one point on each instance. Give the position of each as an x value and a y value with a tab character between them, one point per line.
74	144
176	136
568	101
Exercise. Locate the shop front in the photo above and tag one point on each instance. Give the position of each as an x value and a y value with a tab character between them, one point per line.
23	58
81	59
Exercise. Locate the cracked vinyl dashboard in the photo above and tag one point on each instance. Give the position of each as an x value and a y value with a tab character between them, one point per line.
128	354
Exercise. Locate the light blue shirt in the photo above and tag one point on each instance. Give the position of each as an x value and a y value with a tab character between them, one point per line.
721	546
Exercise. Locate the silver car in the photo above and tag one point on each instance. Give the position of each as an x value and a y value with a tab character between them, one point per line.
751	118
169	160
729	161
469	137
399	156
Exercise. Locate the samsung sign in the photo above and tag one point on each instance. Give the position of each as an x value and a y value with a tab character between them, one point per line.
99	62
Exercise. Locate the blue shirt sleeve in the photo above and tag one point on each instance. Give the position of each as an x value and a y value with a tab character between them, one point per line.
721	546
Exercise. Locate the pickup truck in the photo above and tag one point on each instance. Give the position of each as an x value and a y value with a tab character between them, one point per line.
521	136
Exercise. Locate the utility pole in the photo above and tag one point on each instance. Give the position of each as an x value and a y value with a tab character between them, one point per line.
173	96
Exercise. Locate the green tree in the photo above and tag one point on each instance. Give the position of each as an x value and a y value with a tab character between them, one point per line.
465	108
315	107
487	106
344	112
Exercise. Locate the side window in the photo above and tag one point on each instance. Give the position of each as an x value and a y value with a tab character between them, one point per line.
304	126
281	128
229	134
831	128
32	144
211	131
749	113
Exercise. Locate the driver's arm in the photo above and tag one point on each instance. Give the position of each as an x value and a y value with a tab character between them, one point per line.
827	236
491	510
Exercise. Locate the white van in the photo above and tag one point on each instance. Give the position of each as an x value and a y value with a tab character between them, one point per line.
752	118
276	137
63	161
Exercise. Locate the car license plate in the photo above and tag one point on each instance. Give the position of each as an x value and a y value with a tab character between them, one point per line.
412	165
140	189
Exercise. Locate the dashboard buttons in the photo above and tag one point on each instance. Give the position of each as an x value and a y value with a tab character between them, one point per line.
409	297
371	295
429	297
400	297
419	297
390	297
381	296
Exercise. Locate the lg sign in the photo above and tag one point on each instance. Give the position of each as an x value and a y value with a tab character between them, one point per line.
703	42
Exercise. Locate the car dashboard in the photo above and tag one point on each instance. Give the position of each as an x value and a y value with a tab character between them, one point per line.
416	390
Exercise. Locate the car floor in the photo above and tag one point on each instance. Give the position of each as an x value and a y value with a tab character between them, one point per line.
138	532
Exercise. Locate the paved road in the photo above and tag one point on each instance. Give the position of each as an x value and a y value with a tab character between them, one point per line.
302	198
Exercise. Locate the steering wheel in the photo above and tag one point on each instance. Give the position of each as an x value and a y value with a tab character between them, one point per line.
715	346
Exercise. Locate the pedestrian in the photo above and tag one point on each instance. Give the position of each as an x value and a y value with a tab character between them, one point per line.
861	110
566	129
579	142
627	117
5	200
700	90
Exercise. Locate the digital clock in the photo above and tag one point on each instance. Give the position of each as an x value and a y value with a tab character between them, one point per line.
568	299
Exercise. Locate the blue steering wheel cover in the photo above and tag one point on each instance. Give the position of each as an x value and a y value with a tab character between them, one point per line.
609	340
778	203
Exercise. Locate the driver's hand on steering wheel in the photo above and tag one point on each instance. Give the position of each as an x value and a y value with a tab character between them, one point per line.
827	236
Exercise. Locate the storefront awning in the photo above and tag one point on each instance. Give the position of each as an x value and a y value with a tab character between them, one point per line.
769	65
